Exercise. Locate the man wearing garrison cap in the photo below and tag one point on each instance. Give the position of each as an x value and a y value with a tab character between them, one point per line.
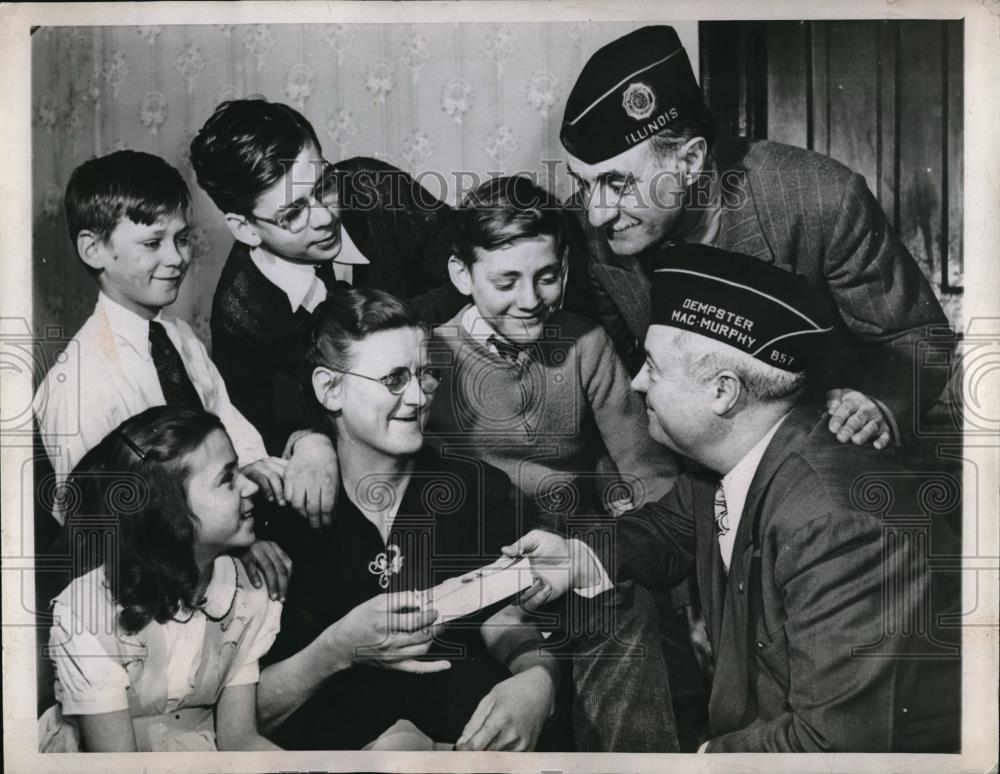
641	146
827	627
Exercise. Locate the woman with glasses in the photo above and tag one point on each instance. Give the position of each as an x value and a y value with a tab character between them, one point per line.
300	225
406	519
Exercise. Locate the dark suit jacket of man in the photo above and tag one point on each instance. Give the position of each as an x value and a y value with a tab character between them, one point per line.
826	632
258	343
813	216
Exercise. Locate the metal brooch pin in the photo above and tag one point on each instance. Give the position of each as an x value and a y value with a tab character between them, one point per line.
386	563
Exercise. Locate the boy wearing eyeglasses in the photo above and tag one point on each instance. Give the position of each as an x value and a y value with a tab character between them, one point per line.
302	224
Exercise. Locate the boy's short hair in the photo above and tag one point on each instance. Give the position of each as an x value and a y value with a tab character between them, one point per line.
503	210
124	184
245	147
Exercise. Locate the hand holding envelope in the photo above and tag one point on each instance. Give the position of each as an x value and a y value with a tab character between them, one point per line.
465	594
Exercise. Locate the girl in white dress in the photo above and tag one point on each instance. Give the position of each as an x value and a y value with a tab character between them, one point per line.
156	647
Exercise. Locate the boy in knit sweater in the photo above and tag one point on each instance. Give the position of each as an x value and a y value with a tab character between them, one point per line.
527	387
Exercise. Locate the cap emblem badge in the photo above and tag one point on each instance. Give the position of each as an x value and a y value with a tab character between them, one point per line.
638	101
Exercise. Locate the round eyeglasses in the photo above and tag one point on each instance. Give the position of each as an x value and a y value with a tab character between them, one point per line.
398	379
296	216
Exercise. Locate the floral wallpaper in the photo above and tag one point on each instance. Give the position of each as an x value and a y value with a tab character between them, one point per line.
432	99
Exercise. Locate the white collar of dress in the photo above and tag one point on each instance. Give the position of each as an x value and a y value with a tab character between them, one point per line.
221	591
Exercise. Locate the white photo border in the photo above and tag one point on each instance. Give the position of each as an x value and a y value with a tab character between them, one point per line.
981	308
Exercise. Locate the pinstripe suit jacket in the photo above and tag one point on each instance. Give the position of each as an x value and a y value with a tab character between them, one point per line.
828	631
813	216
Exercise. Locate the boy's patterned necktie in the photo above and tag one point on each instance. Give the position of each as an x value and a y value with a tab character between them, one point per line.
177	388
506	349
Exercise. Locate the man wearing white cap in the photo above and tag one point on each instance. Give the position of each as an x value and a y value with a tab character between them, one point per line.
641	145
825	612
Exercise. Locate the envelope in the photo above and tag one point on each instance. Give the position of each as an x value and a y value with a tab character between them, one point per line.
465	594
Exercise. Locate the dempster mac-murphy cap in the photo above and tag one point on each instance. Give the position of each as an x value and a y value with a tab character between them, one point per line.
630	90
768	313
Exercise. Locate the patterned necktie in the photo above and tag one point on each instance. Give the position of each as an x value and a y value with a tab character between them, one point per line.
177	388
507	350
721	512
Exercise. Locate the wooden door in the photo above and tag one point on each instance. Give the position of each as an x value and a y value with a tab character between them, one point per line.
883	97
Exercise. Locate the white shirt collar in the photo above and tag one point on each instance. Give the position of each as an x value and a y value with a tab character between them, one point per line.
736	487
127	326
298	280
744	470
480	330
295	280
349	254
476	325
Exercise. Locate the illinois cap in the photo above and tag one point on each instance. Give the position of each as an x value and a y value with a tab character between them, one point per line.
630	90
768	313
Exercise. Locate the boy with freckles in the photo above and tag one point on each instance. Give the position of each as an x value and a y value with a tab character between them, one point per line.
529	388
541	394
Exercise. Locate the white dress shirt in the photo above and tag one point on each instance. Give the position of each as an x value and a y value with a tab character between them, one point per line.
736	486
299	282
108	376
476	325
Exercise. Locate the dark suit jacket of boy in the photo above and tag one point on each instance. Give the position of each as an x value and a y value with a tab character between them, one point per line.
258	343
827	631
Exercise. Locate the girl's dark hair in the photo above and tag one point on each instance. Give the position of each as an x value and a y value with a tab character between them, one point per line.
134	482
502	211
245	147
349	315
